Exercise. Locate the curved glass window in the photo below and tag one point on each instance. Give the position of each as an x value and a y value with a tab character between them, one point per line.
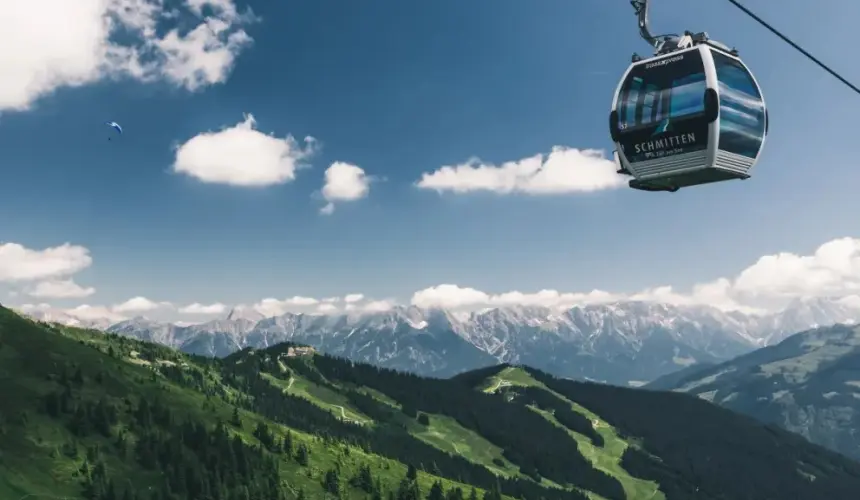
661	108
673	87
742	113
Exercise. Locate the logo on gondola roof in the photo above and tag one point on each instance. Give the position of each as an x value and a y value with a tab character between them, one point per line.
663	62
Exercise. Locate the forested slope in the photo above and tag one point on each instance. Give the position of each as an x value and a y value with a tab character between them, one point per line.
89	415
85	415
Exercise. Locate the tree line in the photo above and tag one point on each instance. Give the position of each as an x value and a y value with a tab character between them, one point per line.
708	452
538	447
392	441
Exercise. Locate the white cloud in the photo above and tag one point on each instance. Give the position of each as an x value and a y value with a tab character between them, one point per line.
344	182
241	156
60	289
197	308
34	307
61	43
552	298
327	308
81	312
185	323
88	312
18	263
139	304
379	306
302	301
454	297
564	170
833	270
275	307
449	297
299	304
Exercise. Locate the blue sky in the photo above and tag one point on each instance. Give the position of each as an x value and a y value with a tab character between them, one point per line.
400	89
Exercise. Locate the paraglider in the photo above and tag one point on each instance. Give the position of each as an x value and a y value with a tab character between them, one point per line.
115	126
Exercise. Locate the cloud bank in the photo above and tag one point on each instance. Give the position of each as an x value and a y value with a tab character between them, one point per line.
832	270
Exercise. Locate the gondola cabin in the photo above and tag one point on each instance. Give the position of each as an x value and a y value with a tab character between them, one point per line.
688	117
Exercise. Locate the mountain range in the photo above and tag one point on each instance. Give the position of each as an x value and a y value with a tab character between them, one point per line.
626	343
809	384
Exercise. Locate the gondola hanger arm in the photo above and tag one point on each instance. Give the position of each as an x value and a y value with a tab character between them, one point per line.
641	8
669	42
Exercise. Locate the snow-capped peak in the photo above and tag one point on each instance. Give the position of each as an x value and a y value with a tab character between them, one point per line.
244	312
641	340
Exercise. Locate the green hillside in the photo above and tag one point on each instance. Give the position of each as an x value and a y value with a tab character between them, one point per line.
601	445
86	415
809	384
89	415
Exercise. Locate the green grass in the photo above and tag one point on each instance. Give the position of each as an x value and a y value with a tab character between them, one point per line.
606	458
322	397
30	441
32	461
444	432
382	398
38	466
448	435
510	376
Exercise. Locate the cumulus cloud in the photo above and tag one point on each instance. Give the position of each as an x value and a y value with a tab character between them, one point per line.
275	307
449	296
139	304
353	302
344	182
454	297
327	308
88	312
565	170
33	307
270	307
60	289
197	308
833	270
82	312
102	39
19	263
376	306
242	156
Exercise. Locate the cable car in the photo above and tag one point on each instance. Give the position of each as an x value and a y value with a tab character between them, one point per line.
691	114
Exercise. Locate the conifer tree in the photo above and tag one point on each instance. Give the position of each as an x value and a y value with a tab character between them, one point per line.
437	492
